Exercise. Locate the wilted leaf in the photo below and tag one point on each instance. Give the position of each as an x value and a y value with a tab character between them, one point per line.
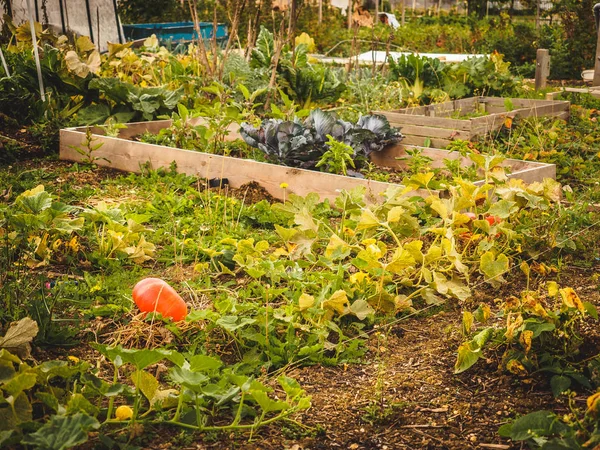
19	336
80	68
571	299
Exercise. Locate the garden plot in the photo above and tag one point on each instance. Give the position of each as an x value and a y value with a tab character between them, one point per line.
468	119
125	154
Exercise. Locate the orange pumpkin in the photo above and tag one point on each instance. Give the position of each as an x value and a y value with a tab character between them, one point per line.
155	295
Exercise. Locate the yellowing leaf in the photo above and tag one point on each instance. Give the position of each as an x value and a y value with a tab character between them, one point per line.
571	299
440	206
335	243
467	323
525	339
337	302
395	214
552	288
401	260
305	301
516	368
402	302
151	42
84	44
593	403
512	325
367	220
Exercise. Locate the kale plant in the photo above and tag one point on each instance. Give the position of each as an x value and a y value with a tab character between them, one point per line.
302	144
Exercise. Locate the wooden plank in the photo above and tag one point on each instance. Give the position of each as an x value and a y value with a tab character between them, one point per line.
130	156
594	92
547	110
444	133
528	171
438	122
135	129
420	140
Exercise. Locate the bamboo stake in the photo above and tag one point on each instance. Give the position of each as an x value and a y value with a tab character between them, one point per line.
4	63
36	54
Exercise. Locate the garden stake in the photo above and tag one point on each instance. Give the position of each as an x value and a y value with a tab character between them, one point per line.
4	63
35	52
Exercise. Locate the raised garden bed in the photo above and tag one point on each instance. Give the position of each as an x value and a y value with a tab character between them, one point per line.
125	154
468	119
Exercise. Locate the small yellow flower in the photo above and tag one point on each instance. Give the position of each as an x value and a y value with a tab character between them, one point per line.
73	359
124	412
56	244
74	244
284	185
358	277
367	242
201	267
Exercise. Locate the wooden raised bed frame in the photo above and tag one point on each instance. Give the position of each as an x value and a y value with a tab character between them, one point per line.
124	154
436	121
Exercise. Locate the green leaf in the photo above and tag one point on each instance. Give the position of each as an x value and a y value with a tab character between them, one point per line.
78	403
559	384
19	410
591	310
199	363
466	357
539	423
140	359
7	371
20	383
93	114
469	352
191	380
230	323
35	200
63	432
266	403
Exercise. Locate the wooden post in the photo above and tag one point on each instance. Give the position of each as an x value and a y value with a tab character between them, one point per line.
320	11
376	12
542	68
403	12
349	13
596	81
